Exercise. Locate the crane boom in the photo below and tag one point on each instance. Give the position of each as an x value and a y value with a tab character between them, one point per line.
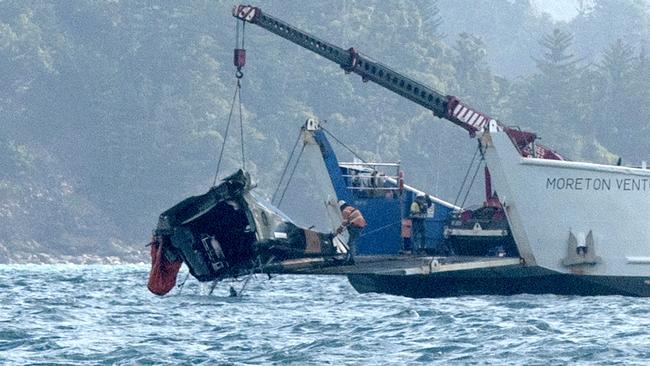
442	106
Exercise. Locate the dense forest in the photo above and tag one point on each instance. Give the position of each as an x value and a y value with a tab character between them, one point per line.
112	111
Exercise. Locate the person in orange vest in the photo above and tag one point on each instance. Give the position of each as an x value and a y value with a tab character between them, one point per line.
406	235
354	222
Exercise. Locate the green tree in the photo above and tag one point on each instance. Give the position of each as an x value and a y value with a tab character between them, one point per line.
601	22
641	90
624	116
615	115
475	82
432	20
550	100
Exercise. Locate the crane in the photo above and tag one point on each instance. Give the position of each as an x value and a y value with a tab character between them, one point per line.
444	106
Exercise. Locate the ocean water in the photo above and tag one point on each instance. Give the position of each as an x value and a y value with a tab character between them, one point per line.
104	315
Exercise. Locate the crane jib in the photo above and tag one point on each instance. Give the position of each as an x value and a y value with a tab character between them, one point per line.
398	83
350	60
442	106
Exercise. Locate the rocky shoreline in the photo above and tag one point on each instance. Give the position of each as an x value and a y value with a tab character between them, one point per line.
25	254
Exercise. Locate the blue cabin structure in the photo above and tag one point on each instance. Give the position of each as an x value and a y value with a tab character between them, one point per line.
383	199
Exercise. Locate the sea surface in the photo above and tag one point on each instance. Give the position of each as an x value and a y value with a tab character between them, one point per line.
104	315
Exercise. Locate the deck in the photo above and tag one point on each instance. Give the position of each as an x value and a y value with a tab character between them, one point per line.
393	265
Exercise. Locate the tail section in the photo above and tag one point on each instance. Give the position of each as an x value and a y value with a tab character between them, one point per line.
162	277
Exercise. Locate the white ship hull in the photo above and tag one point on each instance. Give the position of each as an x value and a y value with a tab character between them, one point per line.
553	205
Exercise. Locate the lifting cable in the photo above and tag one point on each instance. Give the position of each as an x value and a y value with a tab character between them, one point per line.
239	75
291	175
239	61
469	168
471	183
286	166
295	166
225	137
344	145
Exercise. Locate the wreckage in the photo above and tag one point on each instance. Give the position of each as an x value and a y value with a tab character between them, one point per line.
230	232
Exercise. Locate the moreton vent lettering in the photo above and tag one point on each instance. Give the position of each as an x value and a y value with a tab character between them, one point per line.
598	184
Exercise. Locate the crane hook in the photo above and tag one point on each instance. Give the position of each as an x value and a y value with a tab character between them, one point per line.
239	58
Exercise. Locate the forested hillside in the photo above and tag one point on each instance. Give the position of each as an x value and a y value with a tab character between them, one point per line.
112	111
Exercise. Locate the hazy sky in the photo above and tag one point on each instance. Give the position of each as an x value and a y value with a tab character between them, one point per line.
558	9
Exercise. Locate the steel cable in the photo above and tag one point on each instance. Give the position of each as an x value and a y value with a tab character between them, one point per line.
286	166
291	175
344	145
225	138
469	168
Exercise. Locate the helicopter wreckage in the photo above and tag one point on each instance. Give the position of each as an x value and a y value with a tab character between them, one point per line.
230	232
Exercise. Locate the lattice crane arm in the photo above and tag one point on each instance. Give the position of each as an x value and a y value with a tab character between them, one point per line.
443	106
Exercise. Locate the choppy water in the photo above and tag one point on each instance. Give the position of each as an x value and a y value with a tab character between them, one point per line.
103	315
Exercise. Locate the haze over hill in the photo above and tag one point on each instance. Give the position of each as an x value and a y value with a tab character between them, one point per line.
114	111
559	10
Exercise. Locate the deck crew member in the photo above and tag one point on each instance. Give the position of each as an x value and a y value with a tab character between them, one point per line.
419	209
354	222
407	245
